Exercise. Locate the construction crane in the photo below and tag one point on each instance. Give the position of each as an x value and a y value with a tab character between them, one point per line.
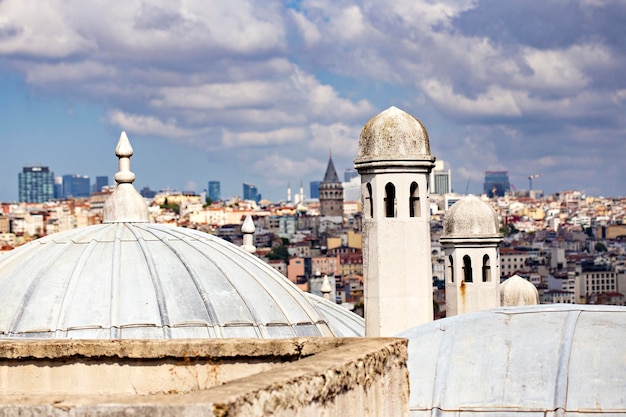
531	178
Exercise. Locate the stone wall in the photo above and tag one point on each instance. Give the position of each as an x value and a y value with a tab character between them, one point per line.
230	377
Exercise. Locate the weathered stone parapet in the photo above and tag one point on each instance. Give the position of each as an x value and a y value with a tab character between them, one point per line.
303	377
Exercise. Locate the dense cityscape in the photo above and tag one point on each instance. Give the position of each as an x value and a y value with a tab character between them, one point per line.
572	247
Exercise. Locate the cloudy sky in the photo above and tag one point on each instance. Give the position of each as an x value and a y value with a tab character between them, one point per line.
260	91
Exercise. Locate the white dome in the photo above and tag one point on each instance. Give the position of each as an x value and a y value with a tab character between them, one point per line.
517	291
537	360
470	217
133	279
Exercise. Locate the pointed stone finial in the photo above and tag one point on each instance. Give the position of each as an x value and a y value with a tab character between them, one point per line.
248	229
124	151
125	205
326	289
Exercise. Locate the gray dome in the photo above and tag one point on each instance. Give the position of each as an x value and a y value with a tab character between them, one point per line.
536	360
144	280
470	217
393	135
128	278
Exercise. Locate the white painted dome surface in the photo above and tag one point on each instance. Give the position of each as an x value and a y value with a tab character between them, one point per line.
470	217
144	280
131	279
544	360
517	291
393	135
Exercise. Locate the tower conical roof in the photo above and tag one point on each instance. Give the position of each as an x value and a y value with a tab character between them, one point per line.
331	173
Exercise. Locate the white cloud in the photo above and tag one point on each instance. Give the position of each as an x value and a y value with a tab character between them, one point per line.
274	166
69	72
308	30
149	125
39	28
254	138
494	101
339	138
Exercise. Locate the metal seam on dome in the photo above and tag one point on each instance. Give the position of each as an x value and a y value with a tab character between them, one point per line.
565	351
276	299
236	251
73	281
334	310
287	286
440	379
156	283
19	313
208	242
211	313
114	312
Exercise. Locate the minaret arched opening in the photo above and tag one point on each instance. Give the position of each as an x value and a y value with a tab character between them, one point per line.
369	206
451	259
467	268
390	200
414	201
486	269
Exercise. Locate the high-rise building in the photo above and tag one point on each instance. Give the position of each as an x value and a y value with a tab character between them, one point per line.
496	183
350	173
440	179
331	192
76	186
214	190
250	192
315	189
101	182
35	184
58	187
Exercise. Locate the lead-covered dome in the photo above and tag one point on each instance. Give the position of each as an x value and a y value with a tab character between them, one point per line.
470	217
128	278
393	135
544	360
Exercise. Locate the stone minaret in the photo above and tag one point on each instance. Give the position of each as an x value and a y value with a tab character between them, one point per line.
394	162
471	240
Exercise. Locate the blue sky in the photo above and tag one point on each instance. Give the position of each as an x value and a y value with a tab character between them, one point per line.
259	91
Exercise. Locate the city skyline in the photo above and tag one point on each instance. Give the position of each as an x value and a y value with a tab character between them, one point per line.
259	93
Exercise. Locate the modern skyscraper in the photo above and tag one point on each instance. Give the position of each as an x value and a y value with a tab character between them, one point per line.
214	190
35	184
76	186
101	182
496	183
331	192
440	179
250	192
315	189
